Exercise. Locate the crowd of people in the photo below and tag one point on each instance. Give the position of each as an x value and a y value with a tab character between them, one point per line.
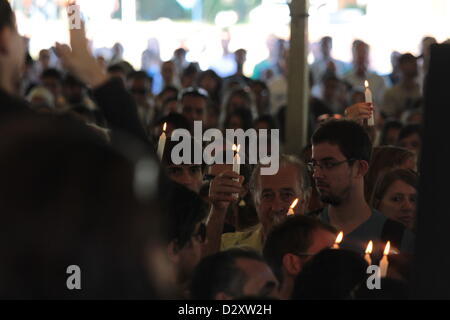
81	183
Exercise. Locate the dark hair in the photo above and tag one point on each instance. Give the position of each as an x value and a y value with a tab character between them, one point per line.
70	201
384	182
388	125
351	138
168	89
384	159
242	113
6	15
409	130
116	68
184	210
178	121
72	81
331	274
52	73
140	75
391	289
273	124
406	57
218	273
293	235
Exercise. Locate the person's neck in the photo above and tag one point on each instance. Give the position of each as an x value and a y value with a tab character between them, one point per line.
286	289
240	70
350	214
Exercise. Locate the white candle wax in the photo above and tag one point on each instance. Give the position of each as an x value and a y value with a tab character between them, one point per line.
384	263
161	143
368	96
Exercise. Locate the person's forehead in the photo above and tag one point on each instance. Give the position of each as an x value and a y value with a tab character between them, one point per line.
193	100
326	150
285	178
400	186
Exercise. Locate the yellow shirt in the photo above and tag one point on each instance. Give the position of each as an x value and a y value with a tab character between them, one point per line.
249	238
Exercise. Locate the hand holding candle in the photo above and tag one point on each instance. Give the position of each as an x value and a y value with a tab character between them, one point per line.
162	142
368	252
368	95
384	263
339	238
292	206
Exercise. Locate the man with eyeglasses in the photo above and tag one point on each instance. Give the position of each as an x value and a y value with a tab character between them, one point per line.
293	243
341	151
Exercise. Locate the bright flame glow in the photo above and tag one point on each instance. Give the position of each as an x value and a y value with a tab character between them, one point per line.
294	203
366	84
234	148
339	238
387	248
369	247
164	126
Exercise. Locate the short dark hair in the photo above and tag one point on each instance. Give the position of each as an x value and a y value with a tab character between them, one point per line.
185	209
351	138
406	57
116	68
140	75
410	129
388	125
331	274
52	73
293	235
219	273
6	15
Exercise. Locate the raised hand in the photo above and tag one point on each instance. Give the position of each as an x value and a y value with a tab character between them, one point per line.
223	189
78	60
359	111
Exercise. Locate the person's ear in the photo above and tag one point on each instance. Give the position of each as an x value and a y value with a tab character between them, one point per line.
173	252
292	264
363	167
222	296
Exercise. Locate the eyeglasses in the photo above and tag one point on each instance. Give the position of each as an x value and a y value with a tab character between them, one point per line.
327	165
200	235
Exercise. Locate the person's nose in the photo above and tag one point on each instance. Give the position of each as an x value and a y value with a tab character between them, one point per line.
278	205
408	205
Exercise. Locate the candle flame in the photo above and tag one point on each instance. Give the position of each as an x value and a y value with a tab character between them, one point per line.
366	84
294	203
164	126
387	248
339	238
369	247
234	148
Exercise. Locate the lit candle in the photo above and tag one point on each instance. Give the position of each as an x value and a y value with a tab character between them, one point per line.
368	252
236	159
384	263
368	94
339	238
291	208
162	142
